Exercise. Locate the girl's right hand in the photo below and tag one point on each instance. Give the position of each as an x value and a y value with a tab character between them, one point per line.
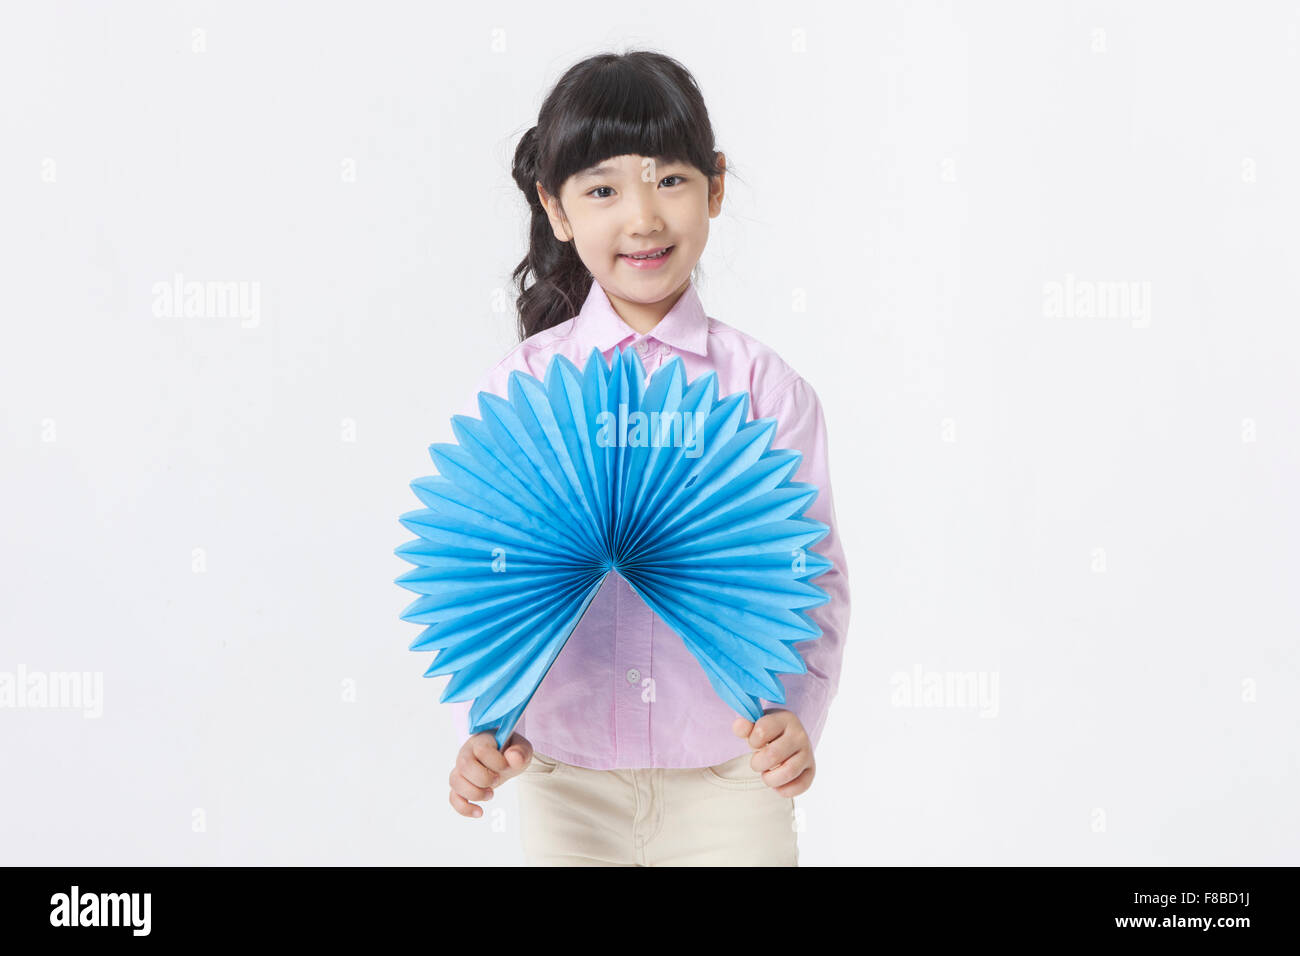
481	768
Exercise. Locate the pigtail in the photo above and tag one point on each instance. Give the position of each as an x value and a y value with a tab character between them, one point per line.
561	281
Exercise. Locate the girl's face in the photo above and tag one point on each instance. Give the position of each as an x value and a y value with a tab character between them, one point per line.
633	204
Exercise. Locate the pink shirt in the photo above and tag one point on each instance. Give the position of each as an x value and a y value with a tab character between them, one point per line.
625	692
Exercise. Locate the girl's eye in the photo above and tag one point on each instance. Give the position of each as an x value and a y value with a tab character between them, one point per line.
599	188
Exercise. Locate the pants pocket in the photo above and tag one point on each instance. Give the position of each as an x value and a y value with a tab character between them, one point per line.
542	764
734	774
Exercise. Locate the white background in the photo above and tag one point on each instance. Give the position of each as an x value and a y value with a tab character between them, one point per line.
1100	513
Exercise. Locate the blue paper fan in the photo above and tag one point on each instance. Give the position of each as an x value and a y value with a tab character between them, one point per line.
596	471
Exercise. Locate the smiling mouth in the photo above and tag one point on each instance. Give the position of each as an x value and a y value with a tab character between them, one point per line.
654	254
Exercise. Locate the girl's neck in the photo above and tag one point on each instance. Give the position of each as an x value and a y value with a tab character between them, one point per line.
642	317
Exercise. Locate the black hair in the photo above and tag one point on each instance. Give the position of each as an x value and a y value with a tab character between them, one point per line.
612	104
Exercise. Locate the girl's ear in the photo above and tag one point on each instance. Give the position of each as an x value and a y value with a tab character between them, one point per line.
717	184
552	206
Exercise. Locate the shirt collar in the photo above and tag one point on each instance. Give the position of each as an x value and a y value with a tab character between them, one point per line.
685	327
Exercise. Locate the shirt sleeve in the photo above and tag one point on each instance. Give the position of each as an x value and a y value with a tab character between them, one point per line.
802	427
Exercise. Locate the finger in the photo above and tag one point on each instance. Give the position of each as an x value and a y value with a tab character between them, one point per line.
468	788
766	729
473	772
774	754
518	754
798	785
484	748
463	806
785	771
741	727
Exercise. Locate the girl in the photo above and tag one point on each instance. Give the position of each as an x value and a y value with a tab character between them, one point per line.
626	756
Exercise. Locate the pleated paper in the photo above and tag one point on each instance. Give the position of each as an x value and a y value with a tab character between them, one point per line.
596	471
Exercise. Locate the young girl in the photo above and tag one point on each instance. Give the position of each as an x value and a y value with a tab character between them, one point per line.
626	756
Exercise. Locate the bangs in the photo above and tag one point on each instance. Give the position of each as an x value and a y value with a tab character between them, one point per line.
630	113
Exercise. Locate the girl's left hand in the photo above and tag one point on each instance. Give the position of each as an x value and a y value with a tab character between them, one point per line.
784	754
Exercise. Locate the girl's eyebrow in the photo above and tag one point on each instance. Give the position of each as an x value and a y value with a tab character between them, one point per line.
605	170
596	171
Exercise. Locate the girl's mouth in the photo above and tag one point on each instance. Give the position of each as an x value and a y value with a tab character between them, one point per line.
653	262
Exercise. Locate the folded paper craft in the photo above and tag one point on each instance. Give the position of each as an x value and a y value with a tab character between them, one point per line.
595	471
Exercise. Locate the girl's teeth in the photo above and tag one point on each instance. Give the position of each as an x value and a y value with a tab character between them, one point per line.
657	255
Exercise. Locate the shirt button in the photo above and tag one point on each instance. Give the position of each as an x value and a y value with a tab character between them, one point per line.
641	347
633	675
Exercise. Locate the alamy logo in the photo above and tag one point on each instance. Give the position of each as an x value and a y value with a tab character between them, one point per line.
209	299
1098	299
56	690
653	430
958	689
101	909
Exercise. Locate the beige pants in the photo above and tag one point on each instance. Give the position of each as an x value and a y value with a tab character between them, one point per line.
723	815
